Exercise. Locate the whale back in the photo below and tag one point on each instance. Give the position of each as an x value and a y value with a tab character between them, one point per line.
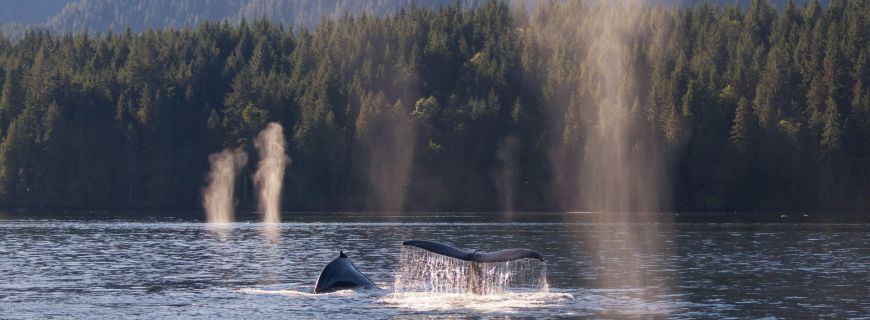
339	274
489	257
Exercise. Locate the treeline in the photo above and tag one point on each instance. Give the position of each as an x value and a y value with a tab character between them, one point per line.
756	109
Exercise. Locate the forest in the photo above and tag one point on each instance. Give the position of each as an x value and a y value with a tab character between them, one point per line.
754	108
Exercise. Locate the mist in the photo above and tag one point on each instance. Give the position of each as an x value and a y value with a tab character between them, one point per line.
218	199
605	154
268	179
390	165
505	176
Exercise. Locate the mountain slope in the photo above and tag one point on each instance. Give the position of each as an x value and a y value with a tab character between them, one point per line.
138	15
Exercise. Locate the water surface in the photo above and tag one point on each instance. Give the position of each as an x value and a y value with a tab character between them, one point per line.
169	268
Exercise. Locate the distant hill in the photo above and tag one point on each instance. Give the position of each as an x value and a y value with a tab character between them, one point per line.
138	15
742	3
30	11
102	15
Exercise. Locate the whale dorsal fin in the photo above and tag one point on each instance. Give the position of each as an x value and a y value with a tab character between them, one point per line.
339	274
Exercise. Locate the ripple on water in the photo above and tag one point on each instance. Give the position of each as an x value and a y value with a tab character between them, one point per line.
111	270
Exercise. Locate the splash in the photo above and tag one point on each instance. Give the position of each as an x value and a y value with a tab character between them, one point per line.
270	171
505	303
295	293
218	199
424	271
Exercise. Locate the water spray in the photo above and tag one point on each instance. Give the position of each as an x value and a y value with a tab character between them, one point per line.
270	171
218	199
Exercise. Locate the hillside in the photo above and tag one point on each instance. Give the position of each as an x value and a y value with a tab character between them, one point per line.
139	15
453	109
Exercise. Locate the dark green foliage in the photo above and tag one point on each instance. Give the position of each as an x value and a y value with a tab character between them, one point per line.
756	108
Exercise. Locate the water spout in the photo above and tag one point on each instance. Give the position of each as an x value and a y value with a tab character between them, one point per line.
218	199
270	171
608	156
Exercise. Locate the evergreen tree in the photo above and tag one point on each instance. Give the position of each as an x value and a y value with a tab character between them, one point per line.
127	119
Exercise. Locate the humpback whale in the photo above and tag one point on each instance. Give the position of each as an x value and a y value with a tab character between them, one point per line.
340	274
475	274
472	256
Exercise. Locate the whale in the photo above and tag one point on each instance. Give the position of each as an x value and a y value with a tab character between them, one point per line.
341	274
473	256
475	278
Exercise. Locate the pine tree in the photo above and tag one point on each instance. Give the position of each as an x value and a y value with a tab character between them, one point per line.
16	166
832	132
10	101
743	128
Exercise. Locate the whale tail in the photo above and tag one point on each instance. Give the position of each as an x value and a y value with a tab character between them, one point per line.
476	278
488	257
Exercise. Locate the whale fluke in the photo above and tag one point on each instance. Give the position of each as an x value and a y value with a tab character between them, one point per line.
341	274
453	252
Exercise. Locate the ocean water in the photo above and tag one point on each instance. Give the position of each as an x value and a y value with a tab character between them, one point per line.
82	266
